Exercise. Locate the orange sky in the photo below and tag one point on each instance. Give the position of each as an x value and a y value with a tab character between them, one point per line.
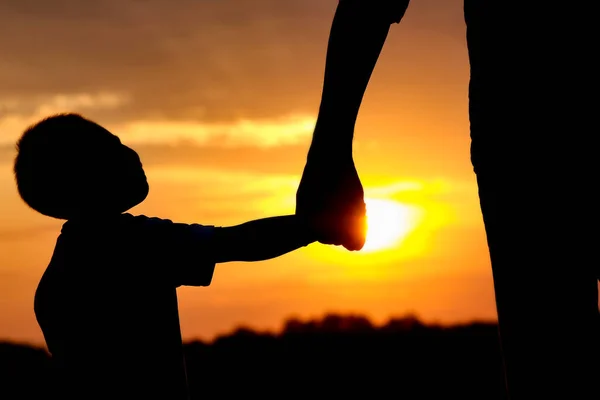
219	98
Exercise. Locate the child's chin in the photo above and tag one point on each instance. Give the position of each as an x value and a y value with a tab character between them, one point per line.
124	204
137	195
121	198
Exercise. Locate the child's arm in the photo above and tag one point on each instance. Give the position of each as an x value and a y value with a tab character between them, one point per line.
260	239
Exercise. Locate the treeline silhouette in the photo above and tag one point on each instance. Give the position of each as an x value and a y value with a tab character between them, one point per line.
332	357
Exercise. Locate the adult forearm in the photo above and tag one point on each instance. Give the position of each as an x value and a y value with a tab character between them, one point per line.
358	33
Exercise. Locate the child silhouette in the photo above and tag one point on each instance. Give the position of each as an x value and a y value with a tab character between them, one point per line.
107	302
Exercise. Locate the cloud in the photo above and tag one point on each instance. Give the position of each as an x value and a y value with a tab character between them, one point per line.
225	182
55	103
200	60
199	83
184	59
258	133
16	114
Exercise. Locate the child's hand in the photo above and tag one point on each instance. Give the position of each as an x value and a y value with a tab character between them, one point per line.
331	198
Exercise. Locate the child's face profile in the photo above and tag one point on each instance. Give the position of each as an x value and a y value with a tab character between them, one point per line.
123	182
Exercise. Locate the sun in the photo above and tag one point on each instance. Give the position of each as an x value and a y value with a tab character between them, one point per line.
388	223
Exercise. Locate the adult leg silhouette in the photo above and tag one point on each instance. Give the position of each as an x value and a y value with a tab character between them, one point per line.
330	191
527	133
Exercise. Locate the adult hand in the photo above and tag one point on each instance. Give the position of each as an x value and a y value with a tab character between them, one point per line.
331	197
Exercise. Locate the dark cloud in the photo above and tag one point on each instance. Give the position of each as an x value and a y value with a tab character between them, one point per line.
207	59
204	59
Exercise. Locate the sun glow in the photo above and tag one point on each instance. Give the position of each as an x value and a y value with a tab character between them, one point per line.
395	231
388	223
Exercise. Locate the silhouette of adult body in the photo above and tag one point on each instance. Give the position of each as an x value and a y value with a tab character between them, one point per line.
526	97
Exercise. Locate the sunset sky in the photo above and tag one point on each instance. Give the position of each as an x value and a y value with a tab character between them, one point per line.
219	97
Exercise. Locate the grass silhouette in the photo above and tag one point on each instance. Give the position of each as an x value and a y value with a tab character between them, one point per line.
335	356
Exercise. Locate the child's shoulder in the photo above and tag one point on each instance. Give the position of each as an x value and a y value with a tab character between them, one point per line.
144	220
140	223
121	222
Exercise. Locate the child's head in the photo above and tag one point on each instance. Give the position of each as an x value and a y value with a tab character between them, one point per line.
70	167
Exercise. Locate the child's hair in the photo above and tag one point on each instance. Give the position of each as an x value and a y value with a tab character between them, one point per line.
55	163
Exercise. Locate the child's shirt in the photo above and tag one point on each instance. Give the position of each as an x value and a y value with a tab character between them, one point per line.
107	304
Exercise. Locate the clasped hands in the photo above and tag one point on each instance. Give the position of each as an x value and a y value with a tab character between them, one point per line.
330	198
